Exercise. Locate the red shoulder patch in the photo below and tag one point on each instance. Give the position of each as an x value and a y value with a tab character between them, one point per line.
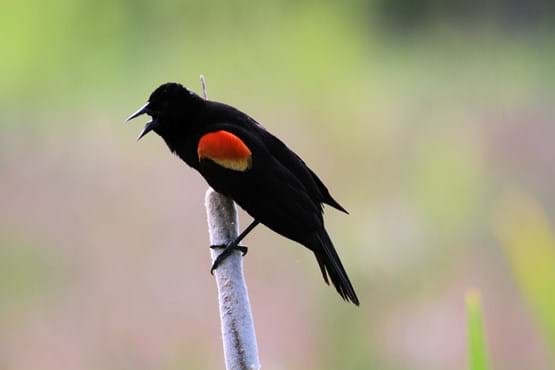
226	149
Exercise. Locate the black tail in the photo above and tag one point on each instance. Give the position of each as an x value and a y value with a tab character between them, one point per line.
331	266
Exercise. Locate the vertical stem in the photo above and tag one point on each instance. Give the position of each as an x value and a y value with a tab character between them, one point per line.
203	84
238	335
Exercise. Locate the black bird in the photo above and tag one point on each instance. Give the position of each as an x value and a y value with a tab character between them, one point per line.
242	160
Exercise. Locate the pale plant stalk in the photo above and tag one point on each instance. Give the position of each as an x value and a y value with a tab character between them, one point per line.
237	325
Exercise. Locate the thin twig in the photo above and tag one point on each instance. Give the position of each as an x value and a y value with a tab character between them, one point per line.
203	84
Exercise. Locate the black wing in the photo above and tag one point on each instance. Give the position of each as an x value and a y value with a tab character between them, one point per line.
298	167
274	195
314	187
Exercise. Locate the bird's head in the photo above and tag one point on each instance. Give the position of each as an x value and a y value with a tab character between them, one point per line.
166	105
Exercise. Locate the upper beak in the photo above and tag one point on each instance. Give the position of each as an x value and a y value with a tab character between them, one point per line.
149	126
142	110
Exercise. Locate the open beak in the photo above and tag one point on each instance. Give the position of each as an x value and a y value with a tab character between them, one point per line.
149	126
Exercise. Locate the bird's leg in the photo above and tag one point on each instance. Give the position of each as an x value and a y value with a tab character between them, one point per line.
231	246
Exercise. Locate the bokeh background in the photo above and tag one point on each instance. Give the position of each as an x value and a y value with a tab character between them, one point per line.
432	122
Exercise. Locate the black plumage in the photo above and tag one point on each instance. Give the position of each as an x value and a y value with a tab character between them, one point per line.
241	159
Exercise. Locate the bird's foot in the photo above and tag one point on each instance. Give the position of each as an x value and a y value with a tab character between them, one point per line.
227	250
240	248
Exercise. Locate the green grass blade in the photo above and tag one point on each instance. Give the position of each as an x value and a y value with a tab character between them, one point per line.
478	358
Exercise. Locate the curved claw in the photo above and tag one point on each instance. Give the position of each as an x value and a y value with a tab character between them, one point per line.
227	251
244	250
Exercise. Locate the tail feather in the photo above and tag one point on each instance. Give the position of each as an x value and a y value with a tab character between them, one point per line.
331	266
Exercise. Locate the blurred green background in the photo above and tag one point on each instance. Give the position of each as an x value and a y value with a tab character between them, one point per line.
432	122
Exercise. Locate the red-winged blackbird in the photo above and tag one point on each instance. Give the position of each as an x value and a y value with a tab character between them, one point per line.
240	159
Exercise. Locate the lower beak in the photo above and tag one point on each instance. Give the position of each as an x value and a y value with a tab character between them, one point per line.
148	127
